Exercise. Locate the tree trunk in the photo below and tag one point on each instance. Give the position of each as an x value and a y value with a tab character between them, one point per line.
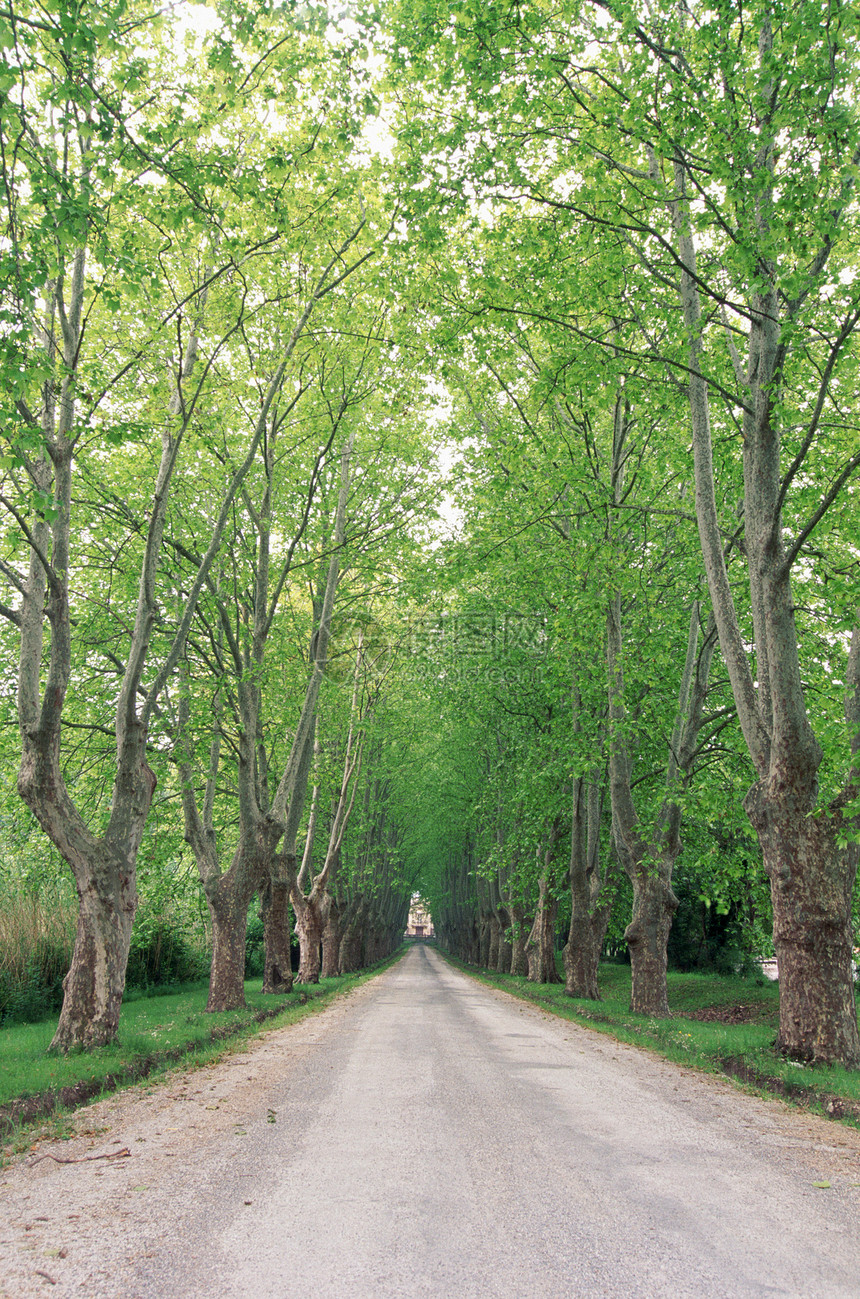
349	958
540	946
584	944
812	882
484	939
93	987
228	908
582	956
654	907
275	911
104	873
493	950
331	936
309	927
506	948
811	878
590	908
520	928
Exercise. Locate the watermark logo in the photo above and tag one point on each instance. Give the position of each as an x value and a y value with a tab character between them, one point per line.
502	648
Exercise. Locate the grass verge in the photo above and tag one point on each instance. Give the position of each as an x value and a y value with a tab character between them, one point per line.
155	1034
724	1025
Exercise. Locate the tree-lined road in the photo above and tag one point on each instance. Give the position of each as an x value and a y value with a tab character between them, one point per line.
427	1136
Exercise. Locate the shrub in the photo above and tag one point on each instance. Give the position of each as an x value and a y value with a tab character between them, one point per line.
163	953
255	949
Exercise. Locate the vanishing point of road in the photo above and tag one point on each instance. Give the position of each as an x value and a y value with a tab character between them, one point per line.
427	1136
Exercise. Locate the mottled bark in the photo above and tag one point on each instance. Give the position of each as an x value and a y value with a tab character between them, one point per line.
582	950
493	949
520	929
349	958
228	910
654	907
94	984
331	938
506	947
309	928
275	912
590	906
812	882
540	945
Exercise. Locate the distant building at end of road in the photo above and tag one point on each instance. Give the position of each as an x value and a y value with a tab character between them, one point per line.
420	922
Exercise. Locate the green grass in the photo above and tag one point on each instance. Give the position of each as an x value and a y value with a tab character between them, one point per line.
153	1027
703	1045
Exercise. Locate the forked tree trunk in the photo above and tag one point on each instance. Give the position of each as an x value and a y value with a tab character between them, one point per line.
811	891
95	982
811	877
649	859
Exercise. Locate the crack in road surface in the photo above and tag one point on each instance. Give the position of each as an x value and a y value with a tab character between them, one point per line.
447	1141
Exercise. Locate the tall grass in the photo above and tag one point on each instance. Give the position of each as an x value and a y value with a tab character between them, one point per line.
37	936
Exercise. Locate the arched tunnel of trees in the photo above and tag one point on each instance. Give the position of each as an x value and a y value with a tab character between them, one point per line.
429	466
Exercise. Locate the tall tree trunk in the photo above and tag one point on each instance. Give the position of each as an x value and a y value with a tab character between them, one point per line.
94	984
811	881
275	911
312	909
520	929
540	945
590	906
493	950
309	928
506	947
483	937
331	936
349	958
228	910
649	860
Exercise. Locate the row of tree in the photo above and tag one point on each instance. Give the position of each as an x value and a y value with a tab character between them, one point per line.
651	327
202	462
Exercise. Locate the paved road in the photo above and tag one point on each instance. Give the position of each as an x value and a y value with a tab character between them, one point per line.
428	1137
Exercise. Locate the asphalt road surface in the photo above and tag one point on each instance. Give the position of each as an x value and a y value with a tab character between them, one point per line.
427	1136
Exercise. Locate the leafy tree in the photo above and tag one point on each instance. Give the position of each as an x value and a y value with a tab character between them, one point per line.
131	276
709	159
